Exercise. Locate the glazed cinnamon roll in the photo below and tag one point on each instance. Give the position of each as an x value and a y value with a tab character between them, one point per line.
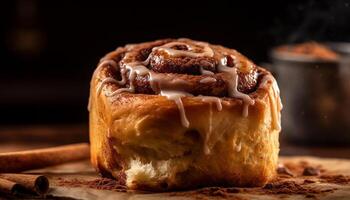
178	114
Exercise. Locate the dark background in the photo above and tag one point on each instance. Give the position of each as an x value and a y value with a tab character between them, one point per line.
49	49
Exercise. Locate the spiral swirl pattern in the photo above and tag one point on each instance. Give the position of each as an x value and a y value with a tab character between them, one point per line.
177	68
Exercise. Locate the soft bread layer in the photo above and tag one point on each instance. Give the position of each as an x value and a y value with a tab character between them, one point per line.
142	136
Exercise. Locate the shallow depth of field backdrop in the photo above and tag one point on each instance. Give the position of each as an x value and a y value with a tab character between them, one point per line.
49	49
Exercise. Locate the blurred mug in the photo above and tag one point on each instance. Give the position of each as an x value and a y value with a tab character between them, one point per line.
316	98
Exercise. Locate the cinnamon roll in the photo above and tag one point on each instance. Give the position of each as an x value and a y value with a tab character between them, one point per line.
178	114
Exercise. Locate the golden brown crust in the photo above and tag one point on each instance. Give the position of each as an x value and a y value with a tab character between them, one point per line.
140	136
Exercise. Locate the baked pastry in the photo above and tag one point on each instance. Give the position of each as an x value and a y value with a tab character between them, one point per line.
178	114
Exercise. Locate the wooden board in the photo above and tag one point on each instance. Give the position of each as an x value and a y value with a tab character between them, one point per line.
286	187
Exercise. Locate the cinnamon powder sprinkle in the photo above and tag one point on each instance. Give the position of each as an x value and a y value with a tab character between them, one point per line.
290	180
291	187
278	187
337	179
99	183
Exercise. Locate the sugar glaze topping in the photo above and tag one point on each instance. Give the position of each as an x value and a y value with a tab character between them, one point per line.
173	88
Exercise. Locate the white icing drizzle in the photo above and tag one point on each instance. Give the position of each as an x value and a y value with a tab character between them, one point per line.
206	148
207	51
208	80
171	88
135	68
176	96
211	99
232	83
274	98
103	62
103	82
238	147
160	82
123	74
109	133
206	72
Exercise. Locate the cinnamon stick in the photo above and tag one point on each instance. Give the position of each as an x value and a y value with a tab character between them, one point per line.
35	183
9	187
33	159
